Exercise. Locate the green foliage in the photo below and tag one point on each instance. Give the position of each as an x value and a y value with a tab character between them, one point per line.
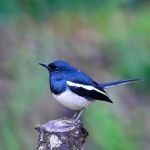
124	28
42	9
106	130
8	134
26	92
27	89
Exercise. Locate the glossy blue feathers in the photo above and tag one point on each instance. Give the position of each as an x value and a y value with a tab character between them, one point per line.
81	84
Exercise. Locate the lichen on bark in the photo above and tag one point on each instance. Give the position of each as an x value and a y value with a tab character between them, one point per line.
61	134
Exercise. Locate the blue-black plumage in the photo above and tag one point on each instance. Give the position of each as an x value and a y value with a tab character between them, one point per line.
75	89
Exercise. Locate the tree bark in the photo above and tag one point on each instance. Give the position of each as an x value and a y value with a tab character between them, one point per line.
61	134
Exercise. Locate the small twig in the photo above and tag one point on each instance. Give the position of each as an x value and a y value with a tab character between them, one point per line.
61	135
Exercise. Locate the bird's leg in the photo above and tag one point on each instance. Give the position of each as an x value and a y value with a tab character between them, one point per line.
79	115
76	114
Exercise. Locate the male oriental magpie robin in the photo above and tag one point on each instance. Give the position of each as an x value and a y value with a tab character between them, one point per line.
74	89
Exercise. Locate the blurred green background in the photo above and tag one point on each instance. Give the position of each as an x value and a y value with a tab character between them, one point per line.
109	40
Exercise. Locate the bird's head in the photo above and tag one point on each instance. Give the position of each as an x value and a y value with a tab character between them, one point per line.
58	66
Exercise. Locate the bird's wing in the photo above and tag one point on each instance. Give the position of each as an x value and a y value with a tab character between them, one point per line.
88	91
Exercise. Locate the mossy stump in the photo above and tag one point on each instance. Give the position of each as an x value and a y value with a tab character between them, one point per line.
61	135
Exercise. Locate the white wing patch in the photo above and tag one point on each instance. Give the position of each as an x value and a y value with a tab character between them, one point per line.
87	87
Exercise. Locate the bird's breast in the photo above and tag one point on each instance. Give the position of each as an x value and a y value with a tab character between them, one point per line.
57	85
72	100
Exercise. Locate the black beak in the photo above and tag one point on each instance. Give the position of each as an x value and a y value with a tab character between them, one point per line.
44	65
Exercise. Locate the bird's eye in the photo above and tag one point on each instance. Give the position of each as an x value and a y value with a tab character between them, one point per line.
56	69
53	67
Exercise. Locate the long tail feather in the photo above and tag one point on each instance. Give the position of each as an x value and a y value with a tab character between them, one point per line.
119	82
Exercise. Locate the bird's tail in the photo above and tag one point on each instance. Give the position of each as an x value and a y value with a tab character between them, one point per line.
119	82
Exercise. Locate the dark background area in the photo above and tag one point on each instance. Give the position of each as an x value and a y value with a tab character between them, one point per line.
109	40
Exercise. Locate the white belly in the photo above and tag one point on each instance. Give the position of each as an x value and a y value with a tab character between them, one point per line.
72	100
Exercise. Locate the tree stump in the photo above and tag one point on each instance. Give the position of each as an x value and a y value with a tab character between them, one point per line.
60	134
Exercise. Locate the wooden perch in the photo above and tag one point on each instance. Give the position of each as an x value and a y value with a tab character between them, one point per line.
60	135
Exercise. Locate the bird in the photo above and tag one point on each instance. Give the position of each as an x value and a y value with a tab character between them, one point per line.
75	89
